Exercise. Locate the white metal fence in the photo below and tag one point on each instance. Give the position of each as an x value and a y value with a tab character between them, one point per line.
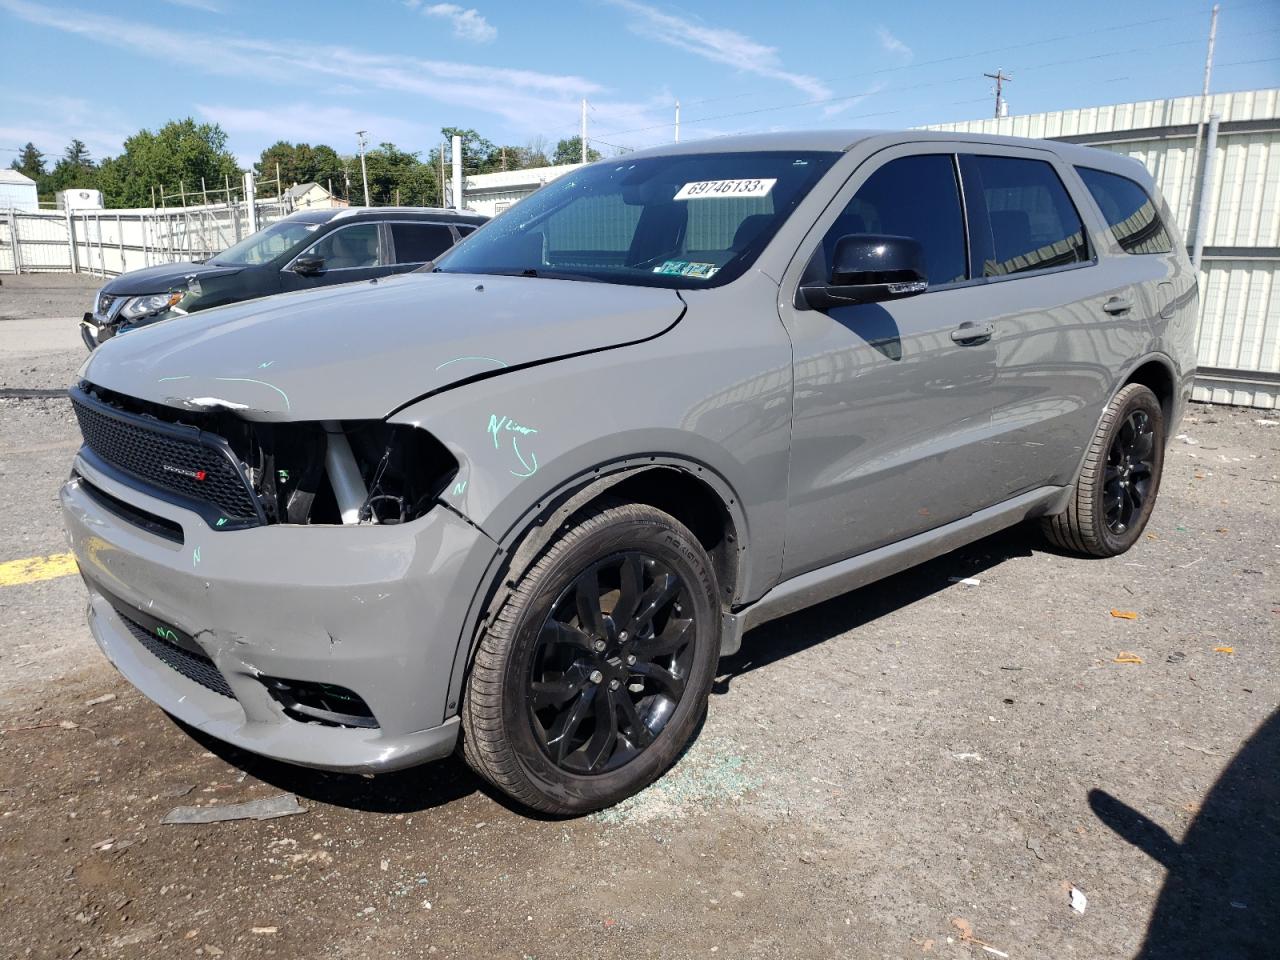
108	243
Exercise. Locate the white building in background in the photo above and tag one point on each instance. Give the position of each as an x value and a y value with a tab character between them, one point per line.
1239	338
491	193
303	195
17	191
79	199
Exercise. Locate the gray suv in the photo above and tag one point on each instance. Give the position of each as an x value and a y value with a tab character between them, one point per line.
543	484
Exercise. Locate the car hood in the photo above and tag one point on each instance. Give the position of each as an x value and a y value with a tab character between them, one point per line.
362	350
161	278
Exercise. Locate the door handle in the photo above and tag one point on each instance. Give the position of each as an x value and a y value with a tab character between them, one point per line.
1118	305
970	332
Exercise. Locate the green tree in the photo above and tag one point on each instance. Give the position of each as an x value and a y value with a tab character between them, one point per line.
74	169
390	170
301	163
570	151
30	161
479	155
77	154
179	153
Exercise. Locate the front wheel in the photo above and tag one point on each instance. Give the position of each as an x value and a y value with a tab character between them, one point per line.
1118	481
596	669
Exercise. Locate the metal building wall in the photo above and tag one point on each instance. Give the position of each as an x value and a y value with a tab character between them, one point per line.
1239	337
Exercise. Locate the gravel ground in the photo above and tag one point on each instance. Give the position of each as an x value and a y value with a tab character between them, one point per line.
923	768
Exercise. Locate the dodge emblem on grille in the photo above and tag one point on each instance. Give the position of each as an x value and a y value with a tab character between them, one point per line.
183	471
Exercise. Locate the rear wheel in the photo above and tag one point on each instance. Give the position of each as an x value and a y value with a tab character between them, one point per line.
1116	489
595	672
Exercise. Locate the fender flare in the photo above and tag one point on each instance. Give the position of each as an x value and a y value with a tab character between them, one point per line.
522	544
1121	382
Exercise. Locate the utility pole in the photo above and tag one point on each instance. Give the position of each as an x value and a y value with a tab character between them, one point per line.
364	173
442	174
583	135
677	121
456	157
1000	77
1196	165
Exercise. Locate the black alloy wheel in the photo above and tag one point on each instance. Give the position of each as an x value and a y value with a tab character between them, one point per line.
611	663
1130	469
594	667
1116	486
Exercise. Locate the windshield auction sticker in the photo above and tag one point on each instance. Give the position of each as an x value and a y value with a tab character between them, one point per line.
724	188
684	268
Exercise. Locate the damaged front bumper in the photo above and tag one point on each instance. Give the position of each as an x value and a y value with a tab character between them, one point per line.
213	624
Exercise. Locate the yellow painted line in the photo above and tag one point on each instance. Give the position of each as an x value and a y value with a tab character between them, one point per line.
16	572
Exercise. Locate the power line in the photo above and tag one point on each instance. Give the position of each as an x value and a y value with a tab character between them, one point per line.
823	101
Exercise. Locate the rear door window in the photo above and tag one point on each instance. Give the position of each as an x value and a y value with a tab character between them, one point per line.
1128	210
1031	223
420	242
348	248
915	197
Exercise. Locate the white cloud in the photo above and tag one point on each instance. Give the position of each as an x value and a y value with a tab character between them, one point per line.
302	122
51	122
529	100
717	45
891	44
467	23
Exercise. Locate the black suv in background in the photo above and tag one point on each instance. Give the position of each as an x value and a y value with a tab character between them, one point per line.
311	248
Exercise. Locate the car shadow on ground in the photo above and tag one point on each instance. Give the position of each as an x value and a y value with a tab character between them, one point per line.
435	784
1221	898
789	635
404	791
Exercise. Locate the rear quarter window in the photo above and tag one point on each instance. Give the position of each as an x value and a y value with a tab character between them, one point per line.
420	242
1129	211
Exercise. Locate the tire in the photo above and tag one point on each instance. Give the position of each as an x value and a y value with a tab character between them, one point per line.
564	727
1118	481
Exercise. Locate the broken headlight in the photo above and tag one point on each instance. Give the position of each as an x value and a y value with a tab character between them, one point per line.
137	307
398	469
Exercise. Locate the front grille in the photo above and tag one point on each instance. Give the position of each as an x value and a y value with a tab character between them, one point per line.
198	466
193	666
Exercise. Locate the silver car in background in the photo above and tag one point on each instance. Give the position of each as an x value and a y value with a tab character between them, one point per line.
534	494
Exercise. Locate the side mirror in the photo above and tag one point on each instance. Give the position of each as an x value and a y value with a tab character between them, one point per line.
308	266
869	268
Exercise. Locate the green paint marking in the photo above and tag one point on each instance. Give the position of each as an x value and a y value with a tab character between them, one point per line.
288	406
529	471
283	475
459	488
164	633
221	522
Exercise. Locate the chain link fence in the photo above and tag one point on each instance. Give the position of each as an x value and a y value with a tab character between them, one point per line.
107	243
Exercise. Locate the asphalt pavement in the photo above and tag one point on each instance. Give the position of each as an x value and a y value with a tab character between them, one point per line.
938	765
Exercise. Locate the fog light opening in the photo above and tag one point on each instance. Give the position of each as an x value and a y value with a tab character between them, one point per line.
323	703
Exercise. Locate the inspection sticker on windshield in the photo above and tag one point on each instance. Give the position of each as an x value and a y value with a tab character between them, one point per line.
686	268
725	188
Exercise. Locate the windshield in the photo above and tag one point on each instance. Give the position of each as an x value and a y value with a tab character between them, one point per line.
265	245
675	221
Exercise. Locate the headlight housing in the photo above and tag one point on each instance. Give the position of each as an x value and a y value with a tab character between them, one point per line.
137	307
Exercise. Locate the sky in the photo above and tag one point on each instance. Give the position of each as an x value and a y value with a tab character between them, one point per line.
267	70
